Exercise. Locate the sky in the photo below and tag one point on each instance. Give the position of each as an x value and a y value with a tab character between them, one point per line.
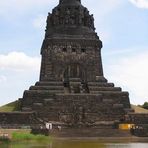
120	24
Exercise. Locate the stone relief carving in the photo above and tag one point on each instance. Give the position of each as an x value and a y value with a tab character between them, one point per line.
70	16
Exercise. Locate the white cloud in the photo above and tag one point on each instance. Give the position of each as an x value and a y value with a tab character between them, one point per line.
27	7
18	72
140	3
40	22
3	78
102	8
16	8
132	74
25	4
18	61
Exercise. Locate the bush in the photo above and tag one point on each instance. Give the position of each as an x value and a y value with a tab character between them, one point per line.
145	105
27	136
2	139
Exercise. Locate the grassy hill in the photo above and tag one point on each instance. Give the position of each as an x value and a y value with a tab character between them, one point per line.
139	109
13	106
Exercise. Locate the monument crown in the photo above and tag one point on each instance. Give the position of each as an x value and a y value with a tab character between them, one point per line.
70	17
77	2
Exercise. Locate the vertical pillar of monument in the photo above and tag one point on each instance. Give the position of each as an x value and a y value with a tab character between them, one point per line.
100	76
42	68
46	72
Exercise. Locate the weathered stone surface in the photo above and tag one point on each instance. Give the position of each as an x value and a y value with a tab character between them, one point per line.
139	118
26	118
72	90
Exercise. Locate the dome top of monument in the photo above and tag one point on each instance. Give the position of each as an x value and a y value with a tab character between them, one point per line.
70	17
70	2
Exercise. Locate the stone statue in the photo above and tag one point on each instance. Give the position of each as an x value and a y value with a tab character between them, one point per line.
91	22
86	17
67	16
61	1
81	16
56	17
48	20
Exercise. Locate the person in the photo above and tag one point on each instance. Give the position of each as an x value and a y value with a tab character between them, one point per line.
49	126
59	127
41	127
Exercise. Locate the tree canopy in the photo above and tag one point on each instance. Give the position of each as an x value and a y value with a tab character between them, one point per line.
145	105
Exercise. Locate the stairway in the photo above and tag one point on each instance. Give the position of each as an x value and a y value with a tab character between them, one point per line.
90	132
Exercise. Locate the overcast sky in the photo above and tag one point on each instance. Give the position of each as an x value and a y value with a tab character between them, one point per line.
121	24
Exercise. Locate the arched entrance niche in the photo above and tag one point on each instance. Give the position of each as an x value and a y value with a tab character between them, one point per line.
75	70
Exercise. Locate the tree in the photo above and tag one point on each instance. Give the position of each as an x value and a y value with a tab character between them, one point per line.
145	105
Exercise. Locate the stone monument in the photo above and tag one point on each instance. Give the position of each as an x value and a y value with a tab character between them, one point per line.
72	89
72	94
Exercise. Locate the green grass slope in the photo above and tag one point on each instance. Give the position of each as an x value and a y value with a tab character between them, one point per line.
13	106
139	109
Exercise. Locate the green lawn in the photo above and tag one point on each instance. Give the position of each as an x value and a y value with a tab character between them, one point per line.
18	135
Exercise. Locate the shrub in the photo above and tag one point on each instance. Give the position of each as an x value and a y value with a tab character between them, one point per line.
27	136
145	105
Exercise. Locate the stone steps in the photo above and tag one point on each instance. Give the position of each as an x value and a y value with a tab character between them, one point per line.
38	105
90	132
110	92
101	91
49	83
46	101
93	89
118	106
100	84
47	88
74	80
108	101
26	109
44	91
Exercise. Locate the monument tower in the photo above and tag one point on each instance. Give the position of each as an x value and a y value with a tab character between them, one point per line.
72	89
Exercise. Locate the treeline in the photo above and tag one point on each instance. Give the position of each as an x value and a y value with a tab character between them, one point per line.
145	105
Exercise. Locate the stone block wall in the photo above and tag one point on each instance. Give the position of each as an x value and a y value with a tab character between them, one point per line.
12	118
139	118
